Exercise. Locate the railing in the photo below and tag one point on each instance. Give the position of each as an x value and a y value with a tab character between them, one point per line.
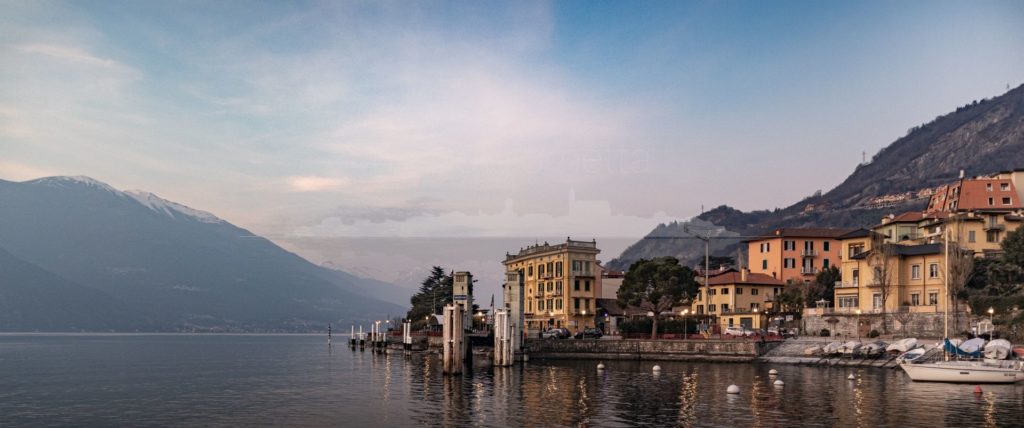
546	275
842	284
994	226
808	270
809	253
582	273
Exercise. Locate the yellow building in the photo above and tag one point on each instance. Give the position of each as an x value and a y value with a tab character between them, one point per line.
914	274
737	298
560	282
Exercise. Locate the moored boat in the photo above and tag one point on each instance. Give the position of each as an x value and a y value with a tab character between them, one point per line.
965	371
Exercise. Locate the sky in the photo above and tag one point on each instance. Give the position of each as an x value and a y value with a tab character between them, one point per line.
303	120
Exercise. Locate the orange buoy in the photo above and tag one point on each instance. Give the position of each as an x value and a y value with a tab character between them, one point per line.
977	389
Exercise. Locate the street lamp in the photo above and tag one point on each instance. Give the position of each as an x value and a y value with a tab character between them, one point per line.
686	332
991	311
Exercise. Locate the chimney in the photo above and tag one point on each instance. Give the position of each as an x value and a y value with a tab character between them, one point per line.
743	274
961	174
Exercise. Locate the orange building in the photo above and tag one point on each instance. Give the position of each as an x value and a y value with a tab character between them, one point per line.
996	192
795	253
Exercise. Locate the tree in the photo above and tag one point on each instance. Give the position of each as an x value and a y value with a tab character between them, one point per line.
880	259
435	292
1013	247
826	281
790	300
656	286
961	267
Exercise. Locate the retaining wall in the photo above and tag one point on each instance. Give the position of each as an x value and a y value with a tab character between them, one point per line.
629	349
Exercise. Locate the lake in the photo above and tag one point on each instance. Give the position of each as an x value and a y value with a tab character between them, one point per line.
232	380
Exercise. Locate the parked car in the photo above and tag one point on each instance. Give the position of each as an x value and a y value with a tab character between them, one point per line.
786	333
556	333
735	330
589	333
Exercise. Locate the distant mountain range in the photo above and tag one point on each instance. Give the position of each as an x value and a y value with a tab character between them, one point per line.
982	137
79	255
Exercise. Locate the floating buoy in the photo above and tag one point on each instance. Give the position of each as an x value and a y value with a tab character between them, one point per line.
657	368
851	377
779	382
773	372
600	366
977	389
732	389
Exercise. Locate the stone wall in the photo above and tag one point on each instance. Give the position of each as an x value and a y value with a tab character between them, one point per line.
920	325
687	350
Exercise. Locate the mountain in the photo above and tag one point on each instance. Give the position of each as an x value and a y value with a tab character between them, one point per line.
981	137
133	253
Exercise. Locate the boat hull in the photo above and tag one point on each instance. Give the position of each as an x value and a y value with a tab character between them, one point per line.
961	372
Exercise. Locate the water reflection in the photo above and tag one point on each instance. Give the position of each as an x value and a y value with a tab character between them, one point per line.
288	380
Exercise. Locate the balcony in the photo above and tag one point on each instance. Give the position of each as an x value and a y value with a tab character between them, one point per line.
582	273
807	270
994	226
809	253
844	284
546	275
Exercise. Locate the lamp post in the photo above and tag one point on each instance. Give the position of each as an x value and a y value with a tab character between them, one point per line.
686	332
991	311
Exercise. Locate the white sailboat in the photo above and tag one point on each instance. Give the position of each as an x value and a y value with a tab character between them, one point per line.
963	371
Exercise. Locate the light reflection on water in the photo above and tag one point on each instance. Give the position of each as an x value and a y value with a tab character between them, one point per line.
298	380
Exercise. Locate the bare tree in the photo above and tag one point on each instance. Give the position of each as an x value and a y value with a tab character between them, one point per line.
904	316
961	269
881	261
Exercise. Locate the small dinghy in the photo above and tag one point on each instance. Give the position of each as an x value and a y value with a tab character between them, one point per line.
813	351
1019	352
873	349
973	346
831	348
901	346
911	355
850	348
998	349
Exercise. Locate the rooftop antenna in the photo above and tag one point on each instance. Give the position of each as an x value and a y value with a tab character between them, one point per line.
863	157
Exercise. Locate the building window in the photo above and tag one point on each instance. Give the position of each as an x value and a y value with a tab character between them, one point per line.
753	291
876	300
764	264
711	308
1006	201
576	286
529	271
540	269
700	309
712	292
558	304
988	187
915	271
933	298
789	245
788	263
576	303
725	291
540	305
825	246
1004	186
725	307
739	290
856	249
991	202
530	305
824	264
586	285
915	299
992	236
970	236
755	306
856	277
550	305
933	270
848	302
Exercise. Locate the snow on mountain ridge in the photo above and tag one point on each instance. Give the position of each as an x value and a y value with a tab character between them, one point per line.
170	208
64	181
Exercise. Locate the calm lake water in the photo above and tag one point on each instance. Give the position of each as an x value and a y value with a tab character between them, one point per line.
296	380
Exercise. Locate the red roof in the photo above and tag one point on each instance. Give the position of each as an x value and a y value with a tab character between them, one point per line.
752	278
908	217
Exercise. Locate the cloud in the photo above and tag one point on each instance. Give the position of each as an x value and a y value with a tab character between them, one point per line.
16	171
69	53
316	184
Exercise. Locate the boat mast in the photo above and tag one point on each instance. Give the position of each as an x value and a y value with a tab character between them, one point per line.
945	313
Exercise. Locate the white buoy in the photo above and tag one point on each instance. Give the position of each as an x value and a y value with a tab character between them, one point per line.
657	368
773	372
732	389
600	366
851	377
779	382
